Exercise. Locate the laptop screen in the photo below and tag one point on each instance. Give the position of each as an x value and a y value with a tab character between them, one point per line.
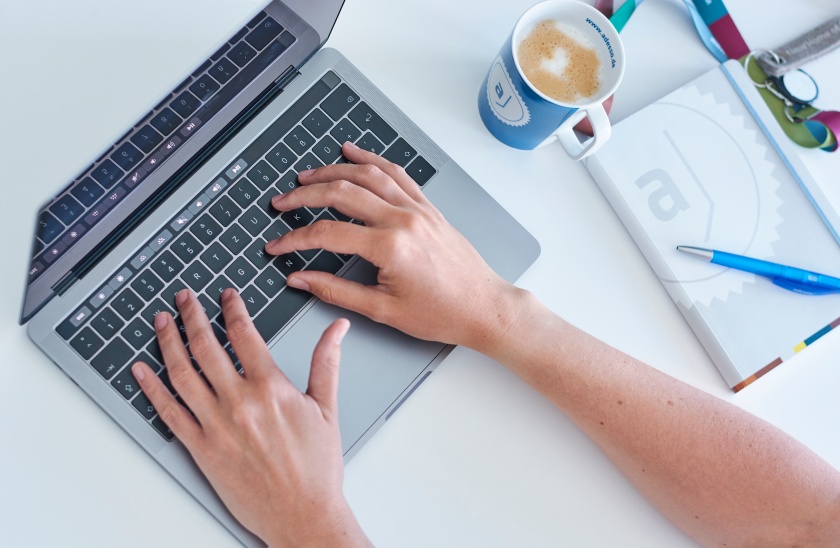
77	226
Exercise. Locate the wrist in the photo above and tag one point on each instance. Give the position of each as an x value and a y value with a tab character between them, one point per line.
503	310
336	526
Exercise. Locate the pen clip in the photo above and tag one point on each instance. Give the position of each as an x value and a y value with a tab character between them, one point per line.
804	289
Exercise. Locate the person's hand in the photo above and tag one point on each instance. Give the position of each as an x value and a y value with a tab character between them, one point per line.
272	453
432	283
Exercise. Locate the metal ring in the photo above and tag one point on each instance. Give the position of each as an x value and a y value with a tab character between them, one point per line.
752	54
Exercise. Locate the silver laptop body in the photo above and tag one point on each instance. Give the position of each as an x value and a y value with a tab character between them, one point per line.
68	292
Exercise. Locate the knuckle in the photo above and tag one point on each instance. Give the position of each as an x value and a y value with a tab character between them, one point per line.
178	375
341	186
320	228
370	170
327	294
238	327
169	414
203	342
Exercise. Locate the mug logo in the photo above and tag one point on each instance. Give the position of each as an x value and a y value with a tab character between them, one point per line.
504	101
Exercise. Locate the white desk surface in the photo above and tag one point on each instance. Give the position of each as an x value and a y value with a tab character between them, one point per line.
476	457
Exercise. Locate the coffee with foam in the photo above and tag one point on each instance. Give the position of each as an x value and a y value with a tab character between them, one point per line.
561	62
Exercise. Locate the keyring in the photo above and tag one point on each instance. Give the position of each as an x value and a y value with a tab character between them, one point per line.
752	54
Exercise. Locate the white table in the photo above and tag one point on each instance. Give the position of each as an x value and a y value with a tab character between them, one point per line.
475	458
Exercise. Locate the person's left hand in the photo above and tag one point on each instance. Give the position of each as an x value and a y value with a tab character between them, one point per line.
272	453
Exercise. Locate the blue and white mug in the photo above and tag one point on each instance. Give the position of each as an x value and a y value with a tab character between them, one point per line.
521	116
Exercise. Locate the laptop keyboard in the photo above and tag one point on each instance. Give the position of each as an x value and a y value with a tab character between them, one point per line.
139	152
217	241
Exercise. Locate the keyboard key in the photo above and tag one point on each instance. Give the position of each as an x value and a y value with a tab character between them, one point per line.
120	279
147	285
127	156
235	239
225	211
154	350
48	227
264	203
197	276
241	272
126	384
281	157
186	247
263	33
279	311
162	429
263	175
299	140
288	182
156	307
210	308
153	363
86	343
254	300
340	102
138	333
107	173
270	282
217	286
277	229
420	170
370	143
297	218
166	121
163	238
326	262
257	255
167	266
317	123
67	209
400	153
254	220
101	296
309	161
219	52
288	263
142	258
144	406
204	88
244	193
236	169
146	139
241	54
216	257
127	304
185	104
168	294
366	118
206	229
198	204
345	131
327	150
107	323
223	71
87	191
112	358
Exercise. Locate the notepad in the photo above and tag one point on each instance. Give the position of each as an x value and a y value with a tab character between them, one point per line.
707	166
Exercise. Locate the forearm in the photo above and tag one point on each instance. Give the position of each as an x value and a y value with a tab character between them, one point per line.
721	474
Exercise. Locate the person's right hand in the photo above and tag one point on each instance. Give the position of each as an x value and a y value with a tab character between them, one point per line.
432	284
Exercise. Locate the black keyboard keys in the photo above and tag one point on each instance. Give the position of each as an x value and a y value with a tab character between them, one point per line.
225	211
244	193
235	239
367	119
241	54
263	33
167	266
147	285
340	102
146	139
127	304
87	191
216	257
297	218
86	343
187	247
223	71
420	170
166	121
185	104
197	276
107	323
204	88
126	384
206	229
370	143
138	333
400	153
241	272
279	311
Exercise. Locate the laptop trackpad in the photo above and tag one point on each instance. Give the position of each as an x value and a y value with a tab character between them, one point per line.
377	362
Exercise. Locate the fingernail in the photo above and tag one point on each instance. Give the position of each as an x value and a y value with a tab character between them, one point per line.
277	199
298	283
306	173
227	293
137	369
342	332
350	145
161	320
182	296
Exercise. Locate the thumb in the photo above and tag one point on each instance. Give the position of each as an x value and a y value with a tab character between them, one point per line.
326	358
364	299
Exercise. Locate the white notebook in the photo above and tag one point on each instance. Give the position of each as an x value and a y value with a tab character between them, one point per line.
708	166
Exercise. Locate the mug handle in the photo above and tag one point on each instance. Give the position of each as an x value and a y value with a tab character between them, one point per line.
601	131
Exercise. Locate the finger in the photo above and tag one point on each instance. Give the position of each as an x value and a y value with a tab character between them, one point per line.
397	173
349	198
204	345
191	387
247	343
178	419
323	375
335	236
368	171
370	301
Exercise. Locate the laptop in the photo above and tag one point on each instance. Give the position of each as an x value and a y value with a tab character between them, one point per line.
182	200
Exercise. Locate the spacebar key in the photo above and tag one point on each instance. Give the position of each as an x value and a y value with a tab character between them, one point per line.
279	311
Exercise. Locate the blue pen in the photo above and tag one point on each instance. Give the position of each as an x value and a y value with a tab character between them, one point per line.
788	277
